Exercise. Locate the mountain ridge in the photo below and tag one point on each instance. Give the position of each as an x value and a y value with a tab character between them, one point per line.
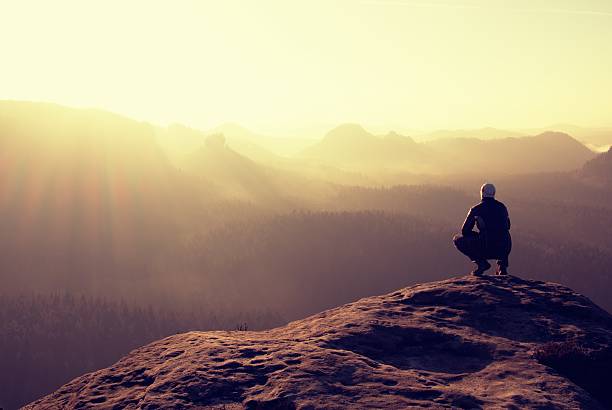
350	145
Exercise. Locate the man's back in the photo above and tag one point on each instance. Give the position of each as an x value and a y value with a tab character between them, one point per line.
491	218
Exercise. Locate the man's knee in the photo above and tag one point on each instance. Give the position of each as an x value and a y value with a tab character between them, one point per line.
462	244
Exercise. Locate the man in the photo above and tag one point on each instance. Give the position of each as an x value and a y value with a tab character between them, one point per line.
492	241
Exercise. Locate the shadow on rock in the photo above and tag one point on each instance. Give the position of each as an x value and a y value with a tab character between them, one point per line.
589	369
417	348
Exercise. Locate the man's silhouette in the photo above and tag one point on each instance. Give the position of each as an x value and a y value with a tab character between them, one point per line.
492	241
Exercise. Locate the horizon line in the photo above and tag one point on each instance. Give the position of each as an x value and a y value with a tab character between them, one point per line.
419	131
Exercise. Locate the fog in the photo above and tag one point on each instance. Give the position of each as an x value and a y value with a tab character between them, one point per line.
109	224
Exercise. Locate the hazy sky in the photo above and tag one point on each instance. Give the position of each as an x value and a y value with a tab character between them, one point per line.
284	66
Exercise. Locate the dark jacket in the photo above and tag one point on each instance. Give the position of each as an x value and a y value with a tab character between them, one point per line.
491	218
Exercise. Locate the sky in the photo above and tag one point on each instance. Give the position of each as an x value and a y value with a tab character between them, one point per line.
291	67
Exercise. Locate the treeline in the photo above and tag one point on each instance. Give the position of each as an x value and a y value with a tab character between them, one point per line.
303	262
557	207
48	339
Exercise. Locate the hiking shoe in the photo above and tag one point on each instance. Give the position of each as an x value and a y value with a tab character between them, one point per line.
481	269
502	271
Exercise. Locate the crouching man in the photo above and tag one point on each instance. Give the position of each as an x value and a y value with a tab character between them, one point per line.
492	240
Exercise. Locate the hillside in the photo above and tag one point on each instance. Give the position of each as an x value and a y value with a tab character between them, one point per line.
180	142
80	189
238	177
459	343
599	169
234	174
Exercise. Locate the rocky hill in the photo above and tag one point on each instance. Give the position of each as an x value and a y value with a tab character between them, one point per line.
460	343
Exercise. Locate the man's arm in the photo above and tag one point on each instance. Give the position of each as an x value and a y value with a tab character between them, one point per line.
468	224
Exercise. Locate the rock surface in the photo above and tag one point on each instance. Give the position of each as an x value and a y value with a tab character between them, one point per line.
460	343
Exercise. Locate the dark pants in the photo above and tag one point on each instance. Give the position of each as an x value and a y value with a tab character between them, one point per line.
474	248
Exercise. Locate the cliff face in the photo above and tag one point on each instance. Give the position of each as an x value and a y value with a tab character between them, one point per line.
460	343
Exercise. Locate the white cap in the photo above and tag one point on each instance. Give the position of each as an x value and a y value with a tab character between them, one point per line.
487	191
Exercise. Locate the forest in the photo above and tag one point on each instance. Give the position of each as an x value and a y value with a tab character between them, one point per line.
47	339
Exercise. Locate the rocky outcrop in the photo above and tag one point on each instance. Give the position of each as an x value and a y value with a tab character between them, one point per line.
464	342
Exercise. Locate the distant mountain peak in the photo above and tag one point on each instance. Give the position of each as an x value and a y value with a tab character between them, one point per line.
554	134
423	346
394	136
560	137
348	131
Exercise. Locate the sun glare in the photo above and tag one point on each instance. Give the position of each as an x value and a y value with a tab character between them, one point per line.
287	67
